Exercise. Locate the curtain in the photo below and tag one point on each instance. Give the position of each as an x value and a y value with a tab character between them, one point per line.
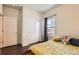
45	30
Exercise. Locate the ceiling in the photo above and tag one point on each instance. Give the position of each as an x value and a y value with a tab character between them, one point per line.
39	7
42	7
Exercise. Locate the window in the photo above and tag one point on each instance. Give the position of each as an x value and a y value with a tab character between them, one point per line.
51	26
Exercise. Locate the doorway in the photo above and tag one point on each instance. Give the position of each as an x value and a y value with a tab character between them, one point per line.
12	21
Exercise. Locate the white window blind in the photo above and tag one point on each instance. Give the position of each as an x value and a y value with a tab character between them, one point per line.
51	25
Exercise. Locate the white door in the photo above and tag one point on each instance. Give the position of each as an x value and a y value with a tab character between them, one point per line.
10	31
0	31
37	30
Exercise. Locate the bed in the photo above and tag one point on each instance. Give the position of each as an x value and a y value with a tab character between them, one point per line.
54	48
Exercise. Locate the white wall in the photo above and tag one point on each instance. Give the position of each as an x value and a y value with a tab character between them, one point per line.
1	9
67	19
31	26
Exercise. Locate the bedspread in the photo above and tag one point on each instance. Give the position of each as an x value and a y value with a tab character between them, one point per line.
54	48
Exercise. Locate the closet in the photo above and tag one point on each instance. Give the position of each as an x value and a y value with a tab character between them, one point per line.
31	26
8	26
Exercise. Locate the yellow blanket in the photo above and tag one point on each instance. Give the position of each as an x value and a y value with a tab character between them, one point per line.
54	48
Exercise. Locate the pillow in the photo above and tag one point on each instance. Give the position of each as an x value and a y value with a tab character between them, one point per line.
65	39
57	38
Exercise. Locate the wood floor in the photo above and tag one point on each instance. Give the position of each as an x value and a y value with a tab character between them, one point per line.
13	50
17	50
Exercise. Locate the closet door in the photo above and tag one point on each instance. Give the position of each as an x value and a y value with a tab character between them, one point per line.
9	26
10	31
37	30
0	31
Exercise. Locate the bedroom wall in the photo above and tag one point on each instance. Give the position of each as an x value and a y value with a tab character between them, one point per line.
67	19
31	26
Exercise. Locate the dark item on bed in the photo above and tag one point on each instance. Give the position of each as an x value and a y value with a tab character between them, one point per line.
74	41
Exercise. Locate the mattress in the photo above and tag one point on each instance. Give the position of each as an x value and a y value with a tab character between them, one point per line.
54	48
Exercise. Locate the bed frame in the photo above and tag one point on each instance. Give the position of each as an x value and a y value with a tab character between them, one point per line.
28	52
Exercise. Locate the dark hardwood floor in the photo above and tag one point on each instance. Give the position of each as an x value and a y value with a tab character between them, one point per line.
17	50
13	50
